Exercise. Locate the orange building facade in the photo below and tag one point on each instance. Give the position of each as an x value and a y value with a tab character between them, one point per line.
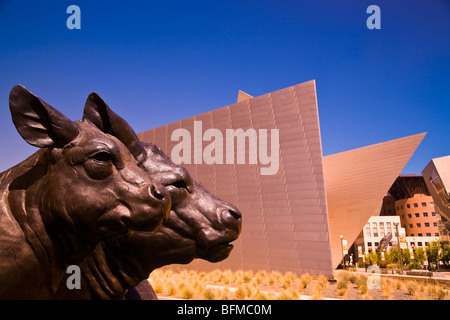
418	216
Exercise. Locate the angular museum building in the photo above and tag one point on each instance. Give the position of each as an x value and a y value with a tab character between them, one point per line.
264	155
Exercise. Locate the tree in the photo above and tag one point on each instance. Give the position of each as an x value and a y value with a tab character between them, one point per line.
446	253
406	256
392	255
419	255
372	257
434	252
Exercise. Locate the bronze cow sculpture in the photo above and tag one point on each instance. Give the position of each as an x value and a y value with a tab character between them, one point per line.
83	186
200	225
384	243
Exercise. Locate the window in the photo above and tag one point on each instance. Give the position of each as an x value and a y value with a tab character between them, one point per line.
369	244
428	234
418	225
411	225
408	206
377	244
427	224
417	215
434	224
416	205
431	204
420	244
412	234
420	235
436	234
424	204
433	214
413	244
409	215
425	214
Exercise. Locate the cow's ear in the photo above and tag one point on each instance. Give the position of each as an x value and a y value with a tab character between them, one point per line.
100	114
37	122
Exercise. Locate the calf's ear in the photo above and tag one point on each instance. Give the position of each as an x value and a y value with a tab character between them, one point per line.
100	114
37	122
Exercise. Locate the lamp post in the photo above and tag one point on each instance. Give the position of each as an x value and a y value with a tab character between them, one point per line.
342	251
398	244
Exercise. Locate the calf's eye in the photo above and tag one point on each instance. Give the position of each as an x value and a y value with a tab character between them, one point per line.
102	157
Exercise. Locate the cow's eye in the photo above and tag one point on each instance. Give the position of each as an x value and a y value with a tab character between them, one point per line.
102	157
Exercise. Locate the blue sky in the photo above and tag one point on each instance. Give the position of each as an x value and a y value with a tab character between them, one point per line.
156	62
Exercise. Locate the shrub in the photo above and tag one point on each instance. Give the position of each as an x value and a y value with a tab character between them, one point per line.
158	286
363	288
224	294
208	294
247	277
286	284
386	287
305	280
415	265
240	293
437	291
171	289
353	278
411	287
342	291
260	296
187	293
287	295
342	284
322	282
384	264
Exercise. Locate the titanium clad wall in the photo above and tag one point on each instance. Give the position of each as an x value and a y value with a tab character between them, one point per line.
356	182
285	222
438	169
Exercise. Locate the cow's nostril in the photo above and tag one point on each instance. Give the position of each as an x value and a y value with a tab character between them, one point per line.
156	193
235	214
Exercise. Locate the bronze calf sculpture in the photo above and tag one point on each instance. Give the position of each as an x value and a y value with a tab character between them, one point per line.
83	186
200	225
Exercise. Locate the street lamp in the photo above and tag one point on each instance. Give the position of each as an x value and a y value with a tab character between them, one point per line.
342	250
398	244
